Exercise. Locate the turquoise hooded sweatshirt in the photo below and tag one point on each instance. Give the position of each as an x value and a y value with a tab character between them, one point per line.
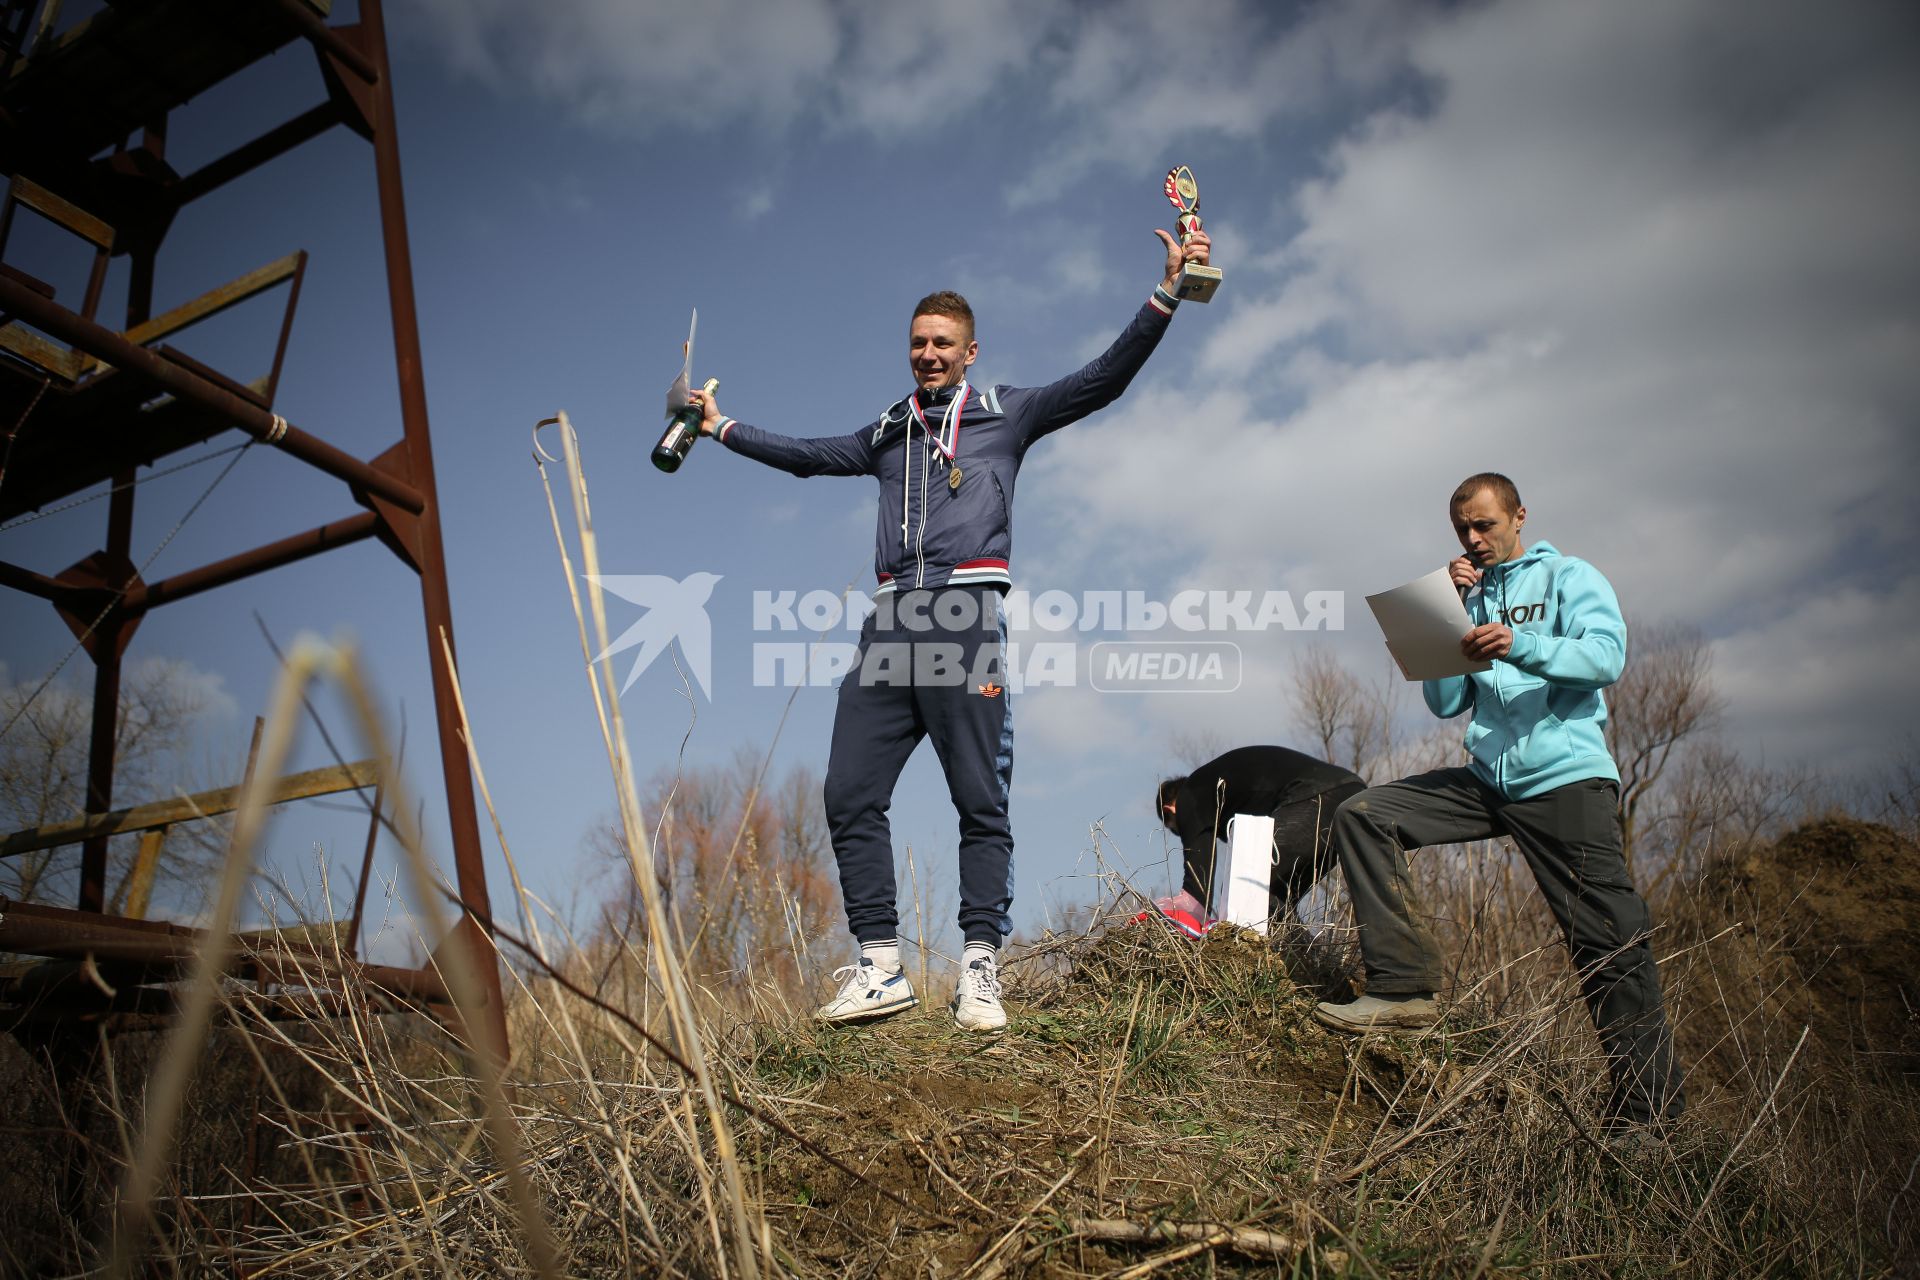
1538	715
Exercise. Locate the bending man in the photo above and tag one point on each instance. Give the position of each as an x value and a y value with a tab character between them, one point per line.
1300	792
930	656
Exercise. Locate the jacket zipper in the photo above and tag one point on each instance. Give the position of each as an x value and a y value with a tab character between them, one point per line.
920	534
1500	694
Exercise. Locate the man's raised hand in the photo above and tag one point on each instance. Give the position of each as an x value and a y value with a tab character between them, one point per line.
1196	251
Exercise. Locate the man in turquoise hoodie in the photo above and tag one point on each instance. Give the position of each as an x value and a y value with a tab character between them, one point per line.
1540	773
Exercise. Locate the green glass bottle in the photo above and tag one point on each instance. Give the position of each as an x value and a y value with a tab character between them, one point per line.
683	429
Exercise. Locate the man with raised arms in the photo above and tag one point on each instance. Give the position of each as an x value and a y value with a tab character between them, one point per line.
931	656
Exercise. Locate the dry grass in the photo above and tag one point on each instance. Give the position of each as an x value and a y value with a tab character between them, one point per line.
1157	1107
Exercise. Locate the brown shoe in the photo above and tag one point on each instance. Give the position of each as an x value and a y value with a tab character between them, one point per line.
1371	1013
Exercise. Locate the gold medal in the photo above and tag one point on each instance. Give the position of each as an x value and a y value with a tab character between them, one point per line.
953	480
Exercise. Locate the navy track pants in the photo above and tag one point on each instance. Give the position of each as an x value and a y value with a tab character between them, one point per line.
932	664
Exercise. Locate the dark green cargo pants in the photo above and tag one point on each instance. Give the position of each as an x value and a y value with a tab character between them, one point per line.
1570	838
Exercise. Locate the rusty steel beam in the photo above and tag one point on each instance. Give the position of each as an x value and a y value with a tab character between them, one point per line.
153	1009
103	744
34	584
31	928
249	156
103	343
332	779
462	814
214	301
314	28
366	871
338	533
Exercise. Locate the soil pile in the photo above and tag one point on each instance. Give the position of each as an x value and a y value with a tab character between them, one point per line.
1825	934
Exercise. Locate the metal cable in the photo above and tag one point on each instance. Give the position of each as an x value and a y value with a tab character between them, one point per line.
120	592
71	503
7	457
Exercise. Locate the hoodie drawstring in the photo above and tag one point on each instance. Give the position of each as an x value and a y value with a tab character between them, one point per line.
949	430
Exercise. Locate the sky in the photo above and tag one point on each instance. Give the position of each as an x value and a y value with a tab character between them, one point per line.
1658	261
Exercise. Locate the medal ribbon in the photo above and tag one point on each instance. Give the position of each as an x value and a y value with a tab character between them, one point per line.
948	441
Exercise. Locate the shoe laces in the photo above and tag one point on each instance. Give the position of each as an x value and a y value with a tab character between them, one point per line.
982	980
862	974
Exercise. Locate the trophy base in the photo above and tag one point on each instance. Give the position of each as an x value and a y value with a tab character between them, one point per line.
1197	284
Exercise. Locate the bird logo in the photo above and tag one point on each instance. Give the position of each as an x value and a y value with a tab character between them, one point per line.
673	611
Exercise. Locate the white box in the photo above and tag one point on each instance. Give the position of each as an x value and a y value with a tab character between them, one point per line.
1241	895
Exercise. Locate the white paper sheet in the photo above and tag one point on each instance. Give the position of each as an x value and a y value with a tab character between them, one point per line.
1424	622
679	395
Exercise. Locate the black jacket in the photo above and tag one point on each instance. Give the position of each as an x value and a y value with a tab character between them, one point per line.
1258	780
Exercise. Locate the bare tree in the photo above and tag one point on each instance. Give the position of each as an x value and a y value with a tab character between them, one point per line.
1192	748
1664	697
1348	721
43	771
1893	798
747	876
1716	803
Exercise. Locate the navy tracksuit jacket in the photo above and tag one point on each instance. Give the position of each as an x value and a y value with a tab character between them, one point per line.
932	655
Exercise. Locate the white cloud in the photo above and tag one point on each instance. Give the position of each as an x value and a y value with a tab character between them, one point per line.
205	691
1101	84
756	203
1659	267
1075	272
629	67
1139	75
903	68
1829	682
1060	722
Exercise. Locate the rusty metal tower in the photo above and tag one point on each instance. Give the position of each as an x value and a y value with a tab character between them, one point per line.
83	139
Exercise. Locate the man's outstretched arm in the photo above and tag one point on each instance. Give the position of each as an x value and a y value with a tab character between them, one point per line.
848	455
1102	381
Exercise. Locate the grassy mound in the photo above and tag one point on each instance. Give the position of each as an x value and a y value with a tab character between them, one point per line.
1156	1107
1186	1091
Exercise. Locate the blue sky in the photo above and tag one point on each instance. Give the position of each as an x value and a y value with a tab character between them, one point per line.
1655	260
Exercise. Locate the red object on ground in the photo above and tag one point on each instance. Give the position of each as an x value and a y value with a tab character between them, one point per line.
1182	911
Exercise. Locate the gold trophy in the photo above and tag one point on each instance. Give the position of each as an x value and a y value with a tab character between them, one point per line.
1196	282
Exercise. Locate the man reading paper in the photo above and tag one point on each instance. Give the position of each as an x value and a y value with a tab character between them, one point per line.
1550	628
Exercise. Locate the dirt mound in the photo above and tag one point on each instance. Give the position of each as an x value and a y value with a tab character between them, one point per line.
1826	931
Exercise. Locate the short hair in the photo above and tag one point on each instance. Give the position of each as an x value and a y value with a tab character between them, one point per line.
1164	797
1501	487
947	303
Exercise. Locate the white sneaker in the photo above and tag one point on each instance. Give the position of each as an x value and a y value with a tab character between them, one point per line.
869	992
976	998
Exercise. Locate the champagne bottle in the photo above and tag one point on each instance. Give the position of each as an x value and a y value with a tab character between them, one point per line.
682	430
